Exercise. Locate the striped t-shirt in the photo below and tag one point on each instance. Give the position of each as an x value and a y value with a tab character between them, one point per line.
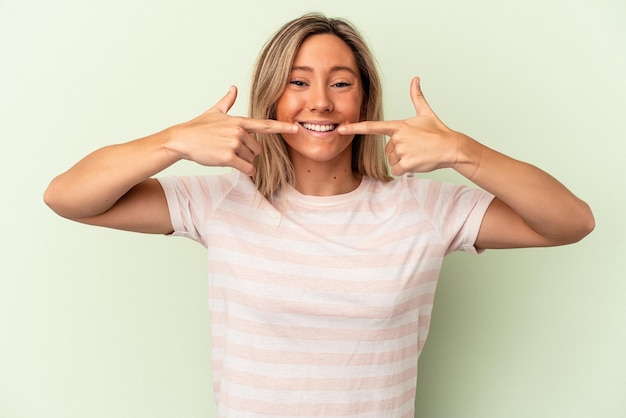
320	307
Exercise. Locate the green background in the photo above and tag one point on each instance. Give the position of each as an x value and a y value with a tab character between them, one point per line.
99	323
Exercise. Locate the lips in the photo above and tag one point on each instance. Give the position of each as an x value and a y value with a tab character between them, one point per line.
319	127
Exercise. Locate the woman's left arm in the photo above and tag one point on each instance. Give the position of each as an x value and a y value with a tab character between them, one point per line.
530	209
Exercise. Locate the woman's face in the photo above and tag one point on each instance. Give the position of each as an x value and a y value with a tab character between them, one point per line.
323	91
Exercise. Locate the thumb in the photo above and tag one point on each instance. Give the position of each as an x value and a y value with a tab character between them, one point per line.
227	101
418	99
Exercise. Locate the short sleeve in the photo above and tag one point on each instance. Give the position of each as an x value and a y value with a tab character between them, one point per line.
456	211
192	201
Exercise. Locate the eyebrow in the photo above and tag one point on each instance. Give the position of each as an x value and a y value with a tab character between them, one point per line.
334	69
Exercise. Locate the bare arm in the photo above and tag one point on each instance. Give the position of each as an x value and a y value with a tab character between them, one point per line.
531	208
113	187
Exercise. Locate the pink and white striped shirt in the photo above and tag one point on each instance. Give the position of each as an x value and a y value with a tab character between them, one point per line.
321	307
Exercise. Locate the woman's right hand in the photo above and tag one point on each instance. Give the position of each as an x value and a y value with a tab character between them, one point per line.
217	139
113	187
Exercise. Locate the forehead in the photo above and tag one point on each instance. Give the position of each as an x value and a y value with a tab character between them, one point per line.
325	51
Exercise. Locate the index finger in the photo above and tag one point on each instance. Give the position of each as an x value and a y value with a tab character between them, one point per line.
379	127
268	126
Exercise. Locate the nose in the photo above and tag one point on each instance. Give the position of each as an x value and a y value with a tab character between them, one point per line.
319	99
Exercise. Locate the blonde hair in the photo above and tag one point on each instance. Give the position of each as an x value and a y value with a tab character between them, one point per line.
274	170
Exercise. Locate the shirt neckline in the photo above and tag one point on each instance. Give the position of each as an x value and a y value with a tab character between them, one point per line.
294	196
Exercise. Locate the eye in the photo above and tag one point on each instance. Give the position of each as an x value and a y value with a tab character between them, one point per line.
297	82
342	84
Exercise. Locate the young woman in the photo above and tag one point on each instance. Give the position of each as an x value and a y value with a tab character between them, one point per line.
322	266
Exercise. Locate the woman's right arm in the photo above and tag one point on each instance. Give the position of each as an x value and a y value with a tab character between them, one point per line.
112	186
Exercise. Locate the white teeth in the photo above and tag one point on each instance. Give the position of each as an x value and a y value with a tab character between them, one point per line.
319	128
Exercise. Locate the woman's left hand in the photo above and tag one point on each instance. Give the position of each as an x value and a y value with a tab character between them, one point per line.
531	207
421	143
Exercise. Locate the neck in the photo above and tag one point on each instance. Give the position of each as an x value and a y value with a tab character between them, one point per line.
320	179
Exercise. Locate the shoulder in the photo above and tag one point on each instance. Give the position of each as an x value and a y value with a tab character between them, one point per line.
434	195
223	181
425	189
208	188
406	184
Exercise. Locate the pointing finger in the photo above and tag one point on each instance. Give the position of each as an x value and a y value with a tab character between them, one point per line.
268	126
368	127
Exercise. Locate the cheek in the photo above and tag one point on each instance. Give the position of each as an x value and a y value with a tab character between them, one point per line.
286	107
358	111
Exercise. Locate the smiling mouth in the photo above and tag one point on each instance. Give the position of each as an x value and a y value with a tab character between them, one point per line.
319	128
